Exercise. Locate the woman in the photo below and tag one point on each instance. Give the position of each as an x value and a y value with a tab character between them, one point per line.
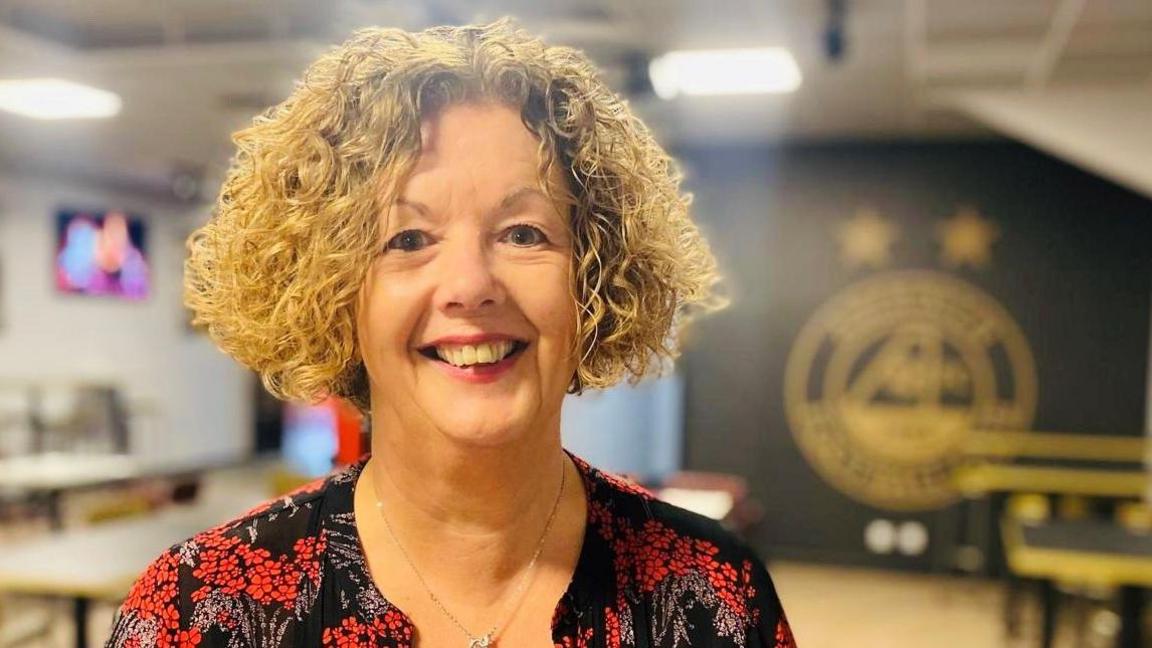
452	229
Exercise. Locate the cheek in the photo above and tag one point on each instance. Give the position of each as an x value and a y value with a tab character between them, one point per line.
382	320
549	304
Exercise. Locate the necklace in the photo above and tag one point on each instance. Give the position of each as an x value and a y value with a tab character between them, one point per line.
487	639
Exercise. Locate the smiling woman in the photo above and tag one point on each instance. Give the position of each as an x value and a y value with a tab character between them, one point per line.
452	229
474	256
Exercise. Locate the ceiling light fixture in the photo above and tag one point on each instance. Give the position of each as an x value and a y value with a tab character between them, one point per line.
56	99
768	70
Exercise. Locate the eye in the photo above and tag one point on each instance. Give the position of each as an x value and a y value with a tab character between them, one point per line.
525	236
408	241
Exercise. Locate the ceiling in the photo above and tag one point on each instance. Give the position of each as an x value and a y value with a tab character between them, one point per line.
192	71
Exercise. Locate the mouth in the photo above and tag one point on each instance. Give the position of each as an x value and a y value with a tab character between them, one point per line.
463	356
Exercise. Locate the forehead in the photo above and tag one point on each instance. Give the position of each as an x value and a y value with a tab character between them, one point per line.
477	147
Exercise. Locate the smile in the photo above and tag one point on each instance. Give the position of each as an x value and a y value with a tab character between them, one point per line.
482	362
466	355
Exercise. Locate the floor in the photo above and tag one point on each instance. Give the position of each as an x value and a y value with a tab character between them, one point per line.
842	607
829	607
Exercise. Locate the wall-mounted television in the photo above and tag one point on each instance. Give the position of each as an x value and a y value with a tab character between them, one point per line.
102	253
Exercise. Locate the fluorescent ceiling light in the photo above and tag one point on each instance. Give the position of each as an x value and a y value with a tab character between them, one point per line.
56	99
724	72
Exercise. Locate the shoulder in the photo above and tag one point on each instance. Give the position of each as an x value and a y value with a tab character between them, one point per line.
621	507
274	527
686	565
269	558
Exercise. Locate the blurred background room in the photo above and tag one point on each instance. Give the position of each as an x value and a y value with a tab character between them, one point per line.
927	405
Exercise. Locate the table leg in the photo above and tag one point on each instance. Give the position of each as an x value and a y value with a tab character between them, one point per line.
1048	610
991	540
1013	591
80	620
55	517
1131	613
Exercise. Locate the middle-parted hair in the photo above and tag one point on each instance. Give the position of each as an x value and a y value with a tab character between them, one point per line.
275	274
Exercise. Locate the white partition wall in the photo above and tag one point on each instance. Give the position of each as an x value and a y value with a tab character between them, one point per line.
629	429
196	400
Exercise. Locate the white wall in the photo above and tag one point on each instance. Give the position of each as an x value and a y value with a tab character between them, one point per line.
201	396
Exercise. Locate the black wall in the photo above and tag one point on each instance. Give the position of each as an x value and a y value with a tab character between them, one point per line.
1072	265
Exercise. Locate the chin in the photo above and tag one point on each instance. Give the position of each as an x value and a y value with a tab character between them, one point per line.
477	427
482	436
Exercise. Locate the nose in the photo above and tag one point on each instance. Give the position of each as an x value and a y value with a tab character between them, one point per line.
467	281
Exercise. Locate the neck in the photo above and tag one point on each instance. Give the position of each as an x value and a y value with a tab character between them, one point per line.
468	500
464	521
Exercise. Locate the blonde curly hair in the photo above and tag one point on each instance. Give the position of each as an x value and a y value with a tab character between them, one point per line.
274	275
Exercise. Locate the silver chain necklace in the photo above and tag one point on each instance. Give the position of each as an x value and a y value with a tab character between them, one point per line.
485	640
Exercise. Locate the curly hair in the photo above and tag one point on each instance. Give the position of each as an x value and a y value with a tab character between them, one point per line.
274	274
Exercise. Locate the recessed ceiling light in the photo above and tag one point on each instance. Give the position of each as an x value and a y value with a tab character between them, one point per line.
725	72
56	99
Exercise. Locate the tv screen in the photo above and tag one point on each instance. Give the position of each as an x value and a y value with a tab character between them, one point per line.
102	253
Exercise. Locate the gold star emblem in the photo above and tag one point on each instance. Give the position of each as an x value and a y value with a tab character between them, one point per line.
966	239
866	239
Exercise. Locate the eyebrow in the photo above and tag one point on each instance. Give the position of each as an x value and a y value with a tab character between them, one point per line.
512	198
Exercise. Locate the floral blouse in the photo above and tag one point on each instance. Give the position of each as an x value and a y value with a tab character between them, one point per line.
292	573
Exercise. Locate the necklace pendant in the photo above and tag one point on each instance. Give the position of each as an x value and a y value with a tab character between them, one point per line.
481	642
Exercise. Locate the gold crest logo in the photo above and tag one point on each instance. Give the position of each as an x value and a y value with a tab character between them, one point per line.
889	377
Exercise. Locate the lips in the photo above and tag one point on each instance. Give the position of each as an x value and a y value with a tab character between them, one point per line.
458	363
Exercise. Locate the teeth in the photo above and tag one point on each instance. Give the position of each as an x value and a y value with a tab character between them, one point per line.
485	353
469	354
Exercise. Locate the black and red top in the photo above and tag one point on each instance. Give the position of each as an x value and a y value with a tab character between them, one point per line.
292	573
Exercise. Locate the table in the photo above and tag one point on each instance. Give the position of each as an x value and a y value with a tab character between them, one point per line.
50	475
981	479
102	562
1057	445
721	496
1102	466
1099	466
990	483
716	504
1087	551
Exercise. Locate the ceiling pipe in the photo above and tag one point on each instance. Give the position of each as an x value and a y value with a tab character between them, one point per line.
1067	14
291	52
33	47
